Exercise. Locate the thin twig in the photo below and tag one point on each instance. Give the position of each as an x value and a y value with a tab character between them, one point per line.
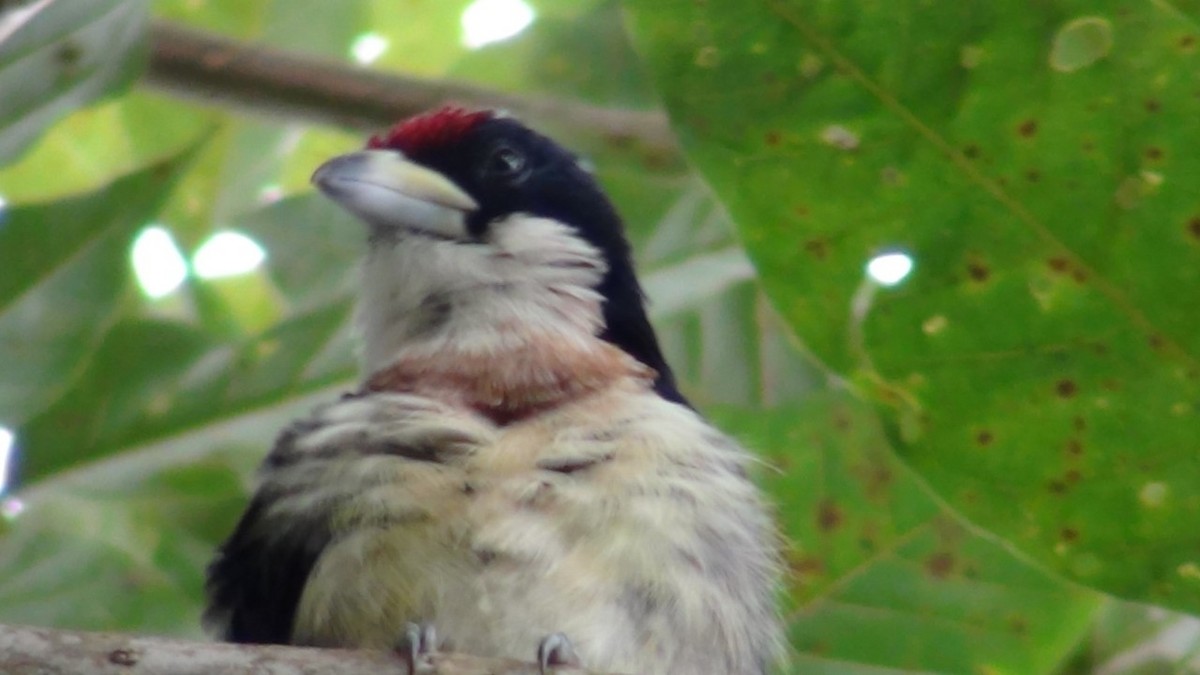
211	68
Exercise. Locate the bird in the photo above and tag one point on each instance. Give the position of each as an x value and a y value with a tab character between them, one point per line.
517	473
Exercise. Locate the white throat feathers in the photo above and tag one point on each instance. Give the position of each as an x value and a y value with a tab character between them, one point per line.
507	326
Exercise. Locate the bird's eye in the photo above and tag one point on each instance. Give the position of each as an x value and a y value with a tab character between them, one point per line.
505	162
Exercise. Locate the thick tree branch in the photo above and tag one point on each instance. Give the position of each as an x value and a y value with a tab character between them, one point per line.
26	650
198	65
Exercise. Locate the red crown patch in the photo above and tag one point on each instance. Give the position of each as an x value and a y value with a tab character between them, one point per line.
430	130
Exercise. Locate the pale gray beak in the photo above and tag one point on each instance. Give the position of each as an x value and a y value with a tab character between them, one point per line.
383	188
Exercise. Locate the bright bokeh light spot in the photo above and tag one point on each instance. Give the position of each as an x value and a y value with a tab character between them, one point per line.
157	262
487	21
890	269
227	254
6	451
3	209
368	47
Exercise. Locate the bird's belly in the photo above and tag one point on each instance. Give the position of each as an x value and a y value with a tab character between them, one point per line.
492	574
638	539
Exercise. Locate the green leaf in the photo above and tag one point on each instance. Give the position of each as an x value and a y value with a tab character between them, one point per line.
586	55
56	55
1041	366
883	577
315	246
129	380
120	548
92	146
63	281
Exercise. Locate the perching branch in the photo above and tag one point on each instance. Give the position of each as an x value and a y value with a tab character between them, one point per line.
202	66
45	651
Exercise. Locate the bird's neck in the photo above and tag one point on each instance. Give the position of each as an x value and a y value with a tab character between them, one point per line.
529	375
470	333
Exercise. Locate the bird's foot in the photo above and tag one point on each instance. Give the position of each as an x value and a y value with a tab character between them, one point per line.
420	639
556	650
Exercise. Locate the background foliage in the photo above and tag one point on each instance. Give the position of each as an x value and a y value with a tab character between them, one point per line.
964	462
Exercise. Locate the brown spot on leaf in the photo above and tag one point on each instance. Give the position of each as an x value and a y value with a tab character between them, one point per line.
1056	487
829	515
1187	42
1153	153
1066	388
1018	625
984	438
1074	447
1033	175
773	138
800	210
1193	226
1079	423
1059	264
1079	275
978	271
1157	342
803	566
1088	147
971	151
1072	476
1153	105
1068	534
817	248
879	479
940	565
68	54
1028	128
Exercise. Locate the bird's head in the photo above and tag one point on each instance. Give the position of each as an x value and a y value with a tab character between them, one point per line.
478	224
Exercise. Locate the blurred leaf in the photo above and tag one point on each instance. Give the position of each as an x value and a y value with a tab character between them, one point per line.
1040	367
62	282
237	18
124	542
315	246
1131	639
880	575
92	146
131	373
695	280
56	55
585	56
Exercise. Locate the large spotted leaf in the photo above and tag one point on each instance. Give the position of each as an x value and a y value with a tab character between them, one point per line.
881	577
1037	160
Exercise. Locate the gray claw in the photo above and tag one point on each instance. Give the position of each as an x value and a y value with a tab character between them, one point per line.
556	650
420	639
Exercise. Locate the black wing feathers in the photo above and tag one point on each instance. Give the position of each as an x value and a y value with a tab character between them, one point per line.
255	582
